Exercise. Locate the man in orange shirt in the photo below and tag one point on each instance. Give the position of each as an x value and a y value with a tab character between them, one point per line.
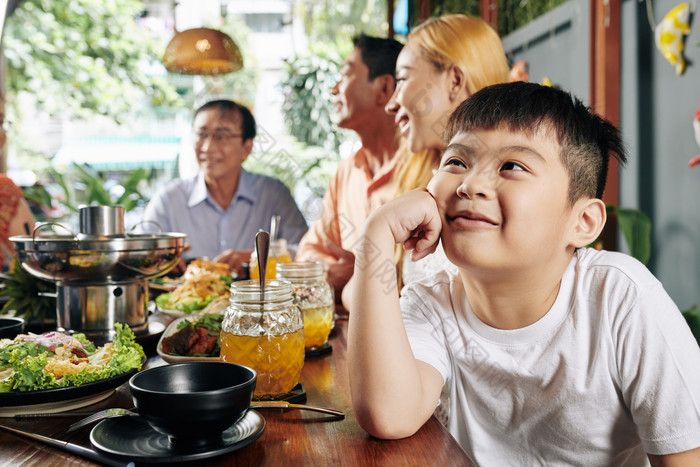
363	181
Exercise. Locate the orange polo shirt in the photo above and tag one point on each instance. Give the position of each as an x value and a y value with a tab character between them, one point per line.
352	194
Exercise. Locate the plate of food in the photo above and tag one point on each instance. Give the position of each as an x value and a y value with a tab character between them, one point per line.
57	372
165	284
203	282
193	338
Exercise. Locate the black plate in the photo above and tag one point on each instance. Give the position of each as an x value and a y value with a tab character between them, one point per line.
63	394
318	351
133	439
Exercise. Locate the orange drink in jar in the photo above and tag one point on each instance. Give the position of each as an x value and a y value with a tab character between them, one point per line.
315	298
266	335
318	322
278	254
278	360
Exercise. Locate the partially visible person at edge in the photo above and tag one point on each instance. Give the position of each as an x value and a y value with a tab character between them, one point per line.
364	181
445	60
15	215
223	206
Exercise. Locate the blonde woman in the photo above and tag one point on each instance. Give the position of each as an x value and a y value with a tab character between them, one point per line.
445	60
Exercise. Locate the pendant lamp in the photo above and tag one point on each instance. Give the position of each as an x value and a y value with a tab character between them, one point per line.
202	51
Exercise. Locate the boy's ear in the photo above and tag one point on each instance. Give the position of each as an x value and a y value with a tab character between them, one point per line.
589	221
384	88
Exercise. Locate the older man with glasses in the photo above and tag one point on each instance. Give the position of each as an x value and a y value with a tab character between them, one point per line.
223	206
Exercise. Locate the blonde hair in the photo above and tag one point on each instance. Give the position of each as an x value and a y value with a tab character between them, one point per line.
466	42
472	45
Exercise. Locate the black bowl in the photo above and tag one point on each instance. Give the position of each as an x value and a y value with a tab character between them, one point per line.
193	403
10	327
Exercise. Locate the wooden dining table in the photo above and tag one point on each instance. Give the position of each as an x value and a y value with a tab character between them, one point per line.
291	437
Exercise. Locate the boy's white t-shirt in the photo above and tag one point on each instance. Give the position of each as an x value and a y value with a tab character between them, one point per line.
425	267
610	373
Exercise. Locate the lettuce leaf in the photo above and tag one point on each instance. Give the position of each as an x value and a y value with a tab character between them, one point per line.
162	300
191	307
28	360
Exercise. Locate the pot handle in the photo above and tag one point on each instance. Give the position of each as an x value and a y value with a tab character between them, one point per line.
44	224
160	229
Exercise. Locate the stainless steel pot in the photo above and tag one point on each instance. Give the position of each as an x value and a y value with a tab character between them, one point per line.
101	274
94	309
101	221
66	258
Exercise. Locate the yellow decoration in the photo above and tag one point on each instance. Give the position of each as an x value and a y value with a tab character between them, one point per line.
546	82
669	35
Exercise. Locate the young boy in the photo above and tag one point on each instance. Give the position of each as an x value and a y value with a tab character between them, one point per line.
541	351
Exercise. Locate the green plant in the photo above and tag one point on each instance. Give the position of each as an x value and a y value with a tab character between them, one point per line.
337	21
636	229
26	294
84	185
512	14
442	7
307	100
81	57
304	169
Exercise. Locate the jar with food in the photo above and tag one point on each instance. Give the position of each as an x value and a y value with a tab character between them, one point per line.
315	298
266	334
279	253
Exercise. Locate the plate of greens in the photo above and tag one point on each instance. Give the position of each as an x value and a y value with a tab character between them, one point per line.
177	307
88	393
54	367
199	288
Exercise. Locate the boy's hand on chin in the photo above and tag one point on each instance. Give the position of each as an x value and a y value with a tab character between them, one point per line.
414	220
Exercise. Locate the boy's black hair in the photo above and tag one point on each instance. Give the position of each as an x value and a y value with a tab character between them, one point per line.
586	140
248	130
378	54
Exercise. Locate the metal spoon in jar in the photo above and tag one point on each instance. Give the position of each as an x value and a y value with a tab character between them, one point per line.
262	249
274	227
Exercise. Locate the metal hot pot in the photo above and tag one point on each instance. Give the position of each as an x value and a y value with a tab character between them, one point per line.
101	274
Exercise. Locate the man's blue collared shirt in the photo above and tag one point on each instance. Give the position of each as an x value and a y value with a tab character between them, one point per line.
186	206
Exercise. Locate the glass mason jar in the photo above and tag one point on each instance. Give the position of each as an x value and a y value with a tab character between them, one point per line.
279	253
315	298
266	335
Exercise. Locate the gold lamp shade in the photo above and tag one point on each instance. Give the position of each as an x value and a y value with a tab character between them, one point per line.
202	51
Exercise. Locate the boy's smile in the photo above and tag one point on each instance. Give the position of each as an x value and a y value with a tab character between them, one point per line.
469	220
503	197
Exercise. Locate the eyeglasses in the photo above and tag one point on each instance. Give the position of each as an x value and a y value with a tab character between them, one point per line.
218	137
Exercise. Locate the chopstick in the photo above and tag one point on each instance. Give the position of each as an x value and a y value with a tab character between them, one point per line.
70	447
287	405
29	416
